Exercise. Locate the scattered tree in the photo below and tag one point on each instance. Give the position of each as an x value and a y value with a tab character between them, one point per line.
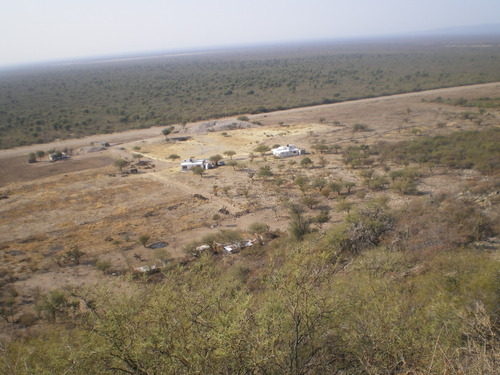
336	186
200	171
103	265
302	182
299	224
216	159
349	185
233	163
344	205
326	191
230	153
265	172
319	183
120	164
359	128
50	305
336	148
143	239
258	228
262	149
306	162
8	305
173	157
323	162
167	131
320	147
310	201
322	218
74	255
31	157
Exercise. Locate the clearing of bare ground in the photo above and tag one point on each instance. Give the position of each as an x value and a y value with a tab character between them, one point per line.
85	205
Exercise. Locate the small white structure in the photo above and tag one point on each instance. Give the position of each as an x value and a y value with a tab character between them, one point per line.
190	163
237	246
286	151
58	156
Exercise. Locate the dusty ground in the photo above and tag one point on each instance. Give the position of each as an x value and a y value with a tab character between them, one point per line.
85	203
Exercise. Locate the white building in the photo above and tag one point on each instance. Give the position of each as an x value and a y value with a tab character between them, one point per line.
190	163
286	151
58	156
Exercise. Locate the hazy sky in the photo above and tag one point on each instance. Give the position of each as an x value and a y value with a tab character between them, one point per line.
45	30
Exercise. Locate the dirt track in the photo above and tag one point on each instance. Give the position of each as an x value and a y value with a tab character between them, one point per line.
15	168
137	135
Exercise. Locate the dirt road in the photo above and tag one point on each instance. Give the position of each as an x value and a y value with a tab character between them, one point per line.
155	132
382	113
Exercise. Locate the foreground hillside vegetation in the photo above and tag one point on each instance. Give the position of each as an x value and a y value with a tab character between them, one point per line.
38	106
310	309
427	305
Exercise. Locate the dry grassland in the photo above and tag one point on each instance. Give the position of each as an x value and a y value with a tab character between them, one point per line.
86	203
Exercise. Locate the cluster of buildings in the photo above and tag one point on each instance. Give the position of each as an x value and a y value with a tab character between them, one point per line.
279	152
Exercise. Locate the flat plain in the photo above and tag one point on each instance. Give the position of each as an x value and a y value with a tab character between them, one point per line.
84	202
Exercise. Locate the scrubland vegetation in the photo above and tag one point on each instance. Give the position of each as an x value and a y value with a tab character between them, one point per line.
38	106
378	295
379	255
463	150
387	289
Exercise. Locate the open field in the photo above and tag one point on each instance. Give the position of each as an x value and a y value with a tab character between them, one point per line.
84	202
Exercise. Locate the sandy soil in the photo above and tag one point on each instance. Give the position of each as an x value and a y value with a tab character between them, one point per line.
85	203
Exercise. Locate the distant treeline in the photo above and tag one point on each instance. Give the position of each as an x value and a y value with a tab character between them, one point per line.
38	106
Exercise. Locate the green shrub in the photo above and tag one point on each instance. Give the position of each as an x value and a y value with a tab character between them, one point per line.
143	239
103	265
258	228
359	127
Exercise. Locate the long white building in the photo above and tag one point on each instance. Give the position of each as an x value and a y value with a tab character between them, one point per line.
190	163
286	151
